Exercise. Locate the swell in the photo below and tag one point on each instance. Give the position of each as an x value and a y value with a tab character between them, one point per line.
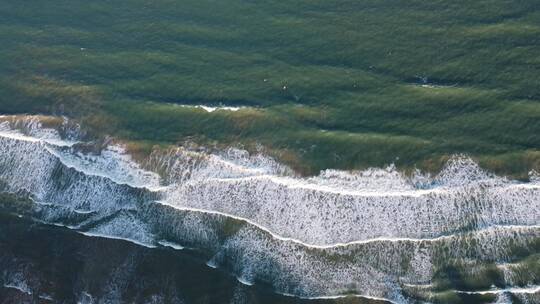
110	162
320	217
410	214
334	245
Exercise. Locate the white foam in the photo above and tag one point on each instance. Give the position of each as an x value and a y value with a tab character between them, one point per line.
336	245
514	290
211	264
321	213
113	237
29	128
46	297
16	280
171	245
244	281
211	109
22	289
126	227
112	163
20	136
347	296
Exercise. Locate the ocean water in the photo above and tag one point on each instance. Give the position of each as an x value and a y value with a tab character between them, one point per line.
248	151
229	226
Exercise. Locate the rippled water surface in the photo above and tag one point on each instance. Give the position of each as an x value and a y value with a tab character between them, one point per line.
276	151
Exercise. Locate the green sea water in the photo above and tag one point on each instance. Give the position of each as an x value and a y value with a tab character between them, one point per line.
323	84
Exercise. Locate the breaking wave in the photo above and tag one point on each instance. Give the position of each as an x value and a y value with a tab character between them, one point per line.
373	233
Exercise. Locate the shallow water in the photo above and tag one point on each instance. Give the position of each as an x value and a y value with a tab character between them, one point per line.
373	234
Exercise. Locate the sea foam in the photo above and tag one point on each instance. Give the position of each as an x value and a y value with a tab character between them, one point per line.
370	233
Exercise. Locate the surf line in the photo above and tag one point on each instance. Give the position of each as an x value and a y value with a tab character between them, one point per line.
19	136
518	290
156	189
335	245
51	145
337	297
298	183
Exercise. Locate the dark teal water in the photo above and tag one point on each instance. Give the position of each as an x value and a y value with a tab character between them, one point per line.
57	265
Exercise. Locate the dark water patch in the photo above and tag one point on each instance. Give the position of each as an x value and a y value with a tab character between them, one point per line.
57	263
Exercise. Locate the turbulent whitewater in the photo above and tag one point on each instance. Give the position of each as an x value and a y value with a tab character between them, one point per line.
374	233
